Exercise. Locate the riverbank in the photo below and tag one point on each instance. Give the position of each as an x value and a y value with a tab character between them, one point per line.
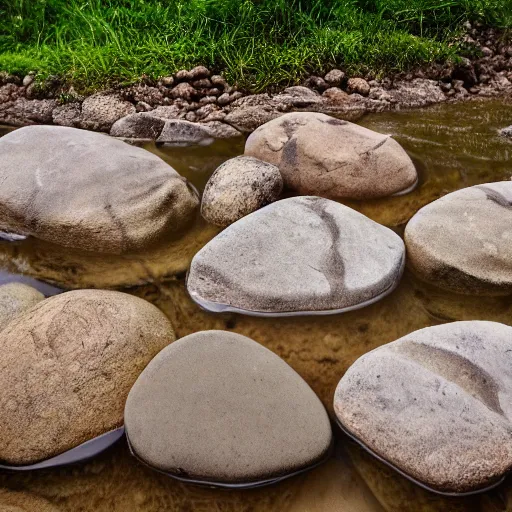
222	109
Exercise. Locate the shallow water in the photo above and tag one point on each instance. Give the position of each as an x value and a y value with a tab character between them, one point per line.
454	146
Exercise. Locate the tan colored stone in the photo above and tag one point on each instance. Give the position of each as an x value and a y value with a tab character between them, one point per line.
67	366
327	157
15	298
436	404
101	111
238	187
12	501
89	191
218	407
463	241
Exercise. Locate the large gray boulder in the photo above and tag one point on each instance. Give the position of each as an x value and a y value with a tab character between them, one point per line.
238	187
68	364
320	155
303	255
217	407
436	404
463	241
89	191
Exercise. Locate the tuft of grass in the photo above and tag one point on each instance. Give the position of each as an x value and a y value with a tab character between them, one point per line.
255	43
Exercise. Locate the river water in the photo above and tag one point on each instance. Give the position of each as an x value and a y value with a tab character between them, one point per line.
453	146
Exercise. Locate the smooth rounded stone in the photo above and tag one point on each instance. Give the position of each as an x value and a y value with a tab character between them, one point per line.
302	255
101	111
463	241
68	364
238	187
89	191
206	409
436	405
318	154
15	298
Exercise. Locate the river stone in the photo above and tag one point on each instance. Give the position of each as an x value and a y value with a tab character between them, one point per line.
238	187
463	241
88	191
297	256
15	298
328	157
184	133
436	404
68	364
206	408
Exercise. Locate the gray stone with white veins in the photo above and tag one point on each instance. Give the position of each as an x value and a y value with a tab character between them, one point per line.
463	241
218	407
436	404
302	255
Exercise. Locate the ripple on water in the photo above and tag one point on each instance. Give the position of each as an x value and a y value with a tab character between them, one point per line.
453	146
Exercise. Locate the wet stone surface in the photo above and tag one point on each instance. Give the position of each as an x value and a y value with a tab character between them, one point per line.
436	404
301	255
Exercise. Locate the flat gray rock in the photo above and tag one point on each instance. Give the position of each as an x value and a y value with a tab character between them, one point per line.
463	241
218	407
238	187
88	191
303	255
68	364
436	404
324	156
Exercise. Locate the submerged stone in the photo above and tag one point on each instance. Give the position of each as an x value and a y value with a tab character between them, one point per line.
328	157
217	407
238	187
88	191
303	255
463	241
436	404
67	366
15	298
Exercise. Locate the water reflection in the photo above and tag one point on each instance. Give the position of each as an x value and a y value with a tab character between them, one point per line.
454	146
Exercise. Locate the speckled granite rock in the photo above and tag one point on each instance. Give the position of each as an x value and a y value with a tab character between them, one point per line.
138	126
206	408
238	187
324	156
89	191
184	133
436	404
463	241
100	111
67	366
15	298
297	256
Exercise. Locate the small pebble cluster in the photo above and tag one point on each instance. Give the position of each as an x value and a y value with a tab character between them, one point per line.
217	408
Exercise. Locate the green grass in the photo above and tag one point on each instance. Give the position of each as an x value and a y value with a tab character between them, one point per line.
256	43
